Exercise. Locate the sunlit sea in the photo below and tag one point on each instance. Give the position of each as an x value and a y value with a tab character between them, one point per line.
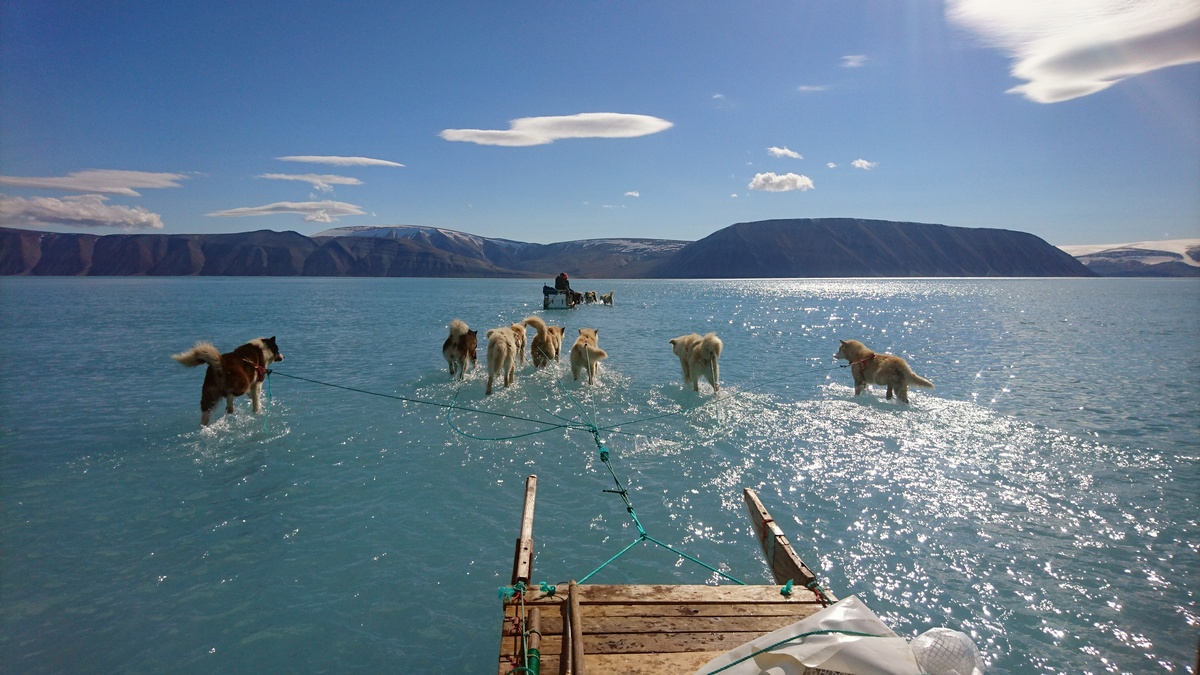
1042	499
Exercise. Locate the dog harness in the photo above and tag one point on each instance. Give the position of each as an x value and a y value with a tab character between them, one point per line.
260	369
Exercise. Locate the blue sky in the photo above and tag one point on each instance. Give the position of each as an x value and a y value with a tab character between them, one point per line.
1076	121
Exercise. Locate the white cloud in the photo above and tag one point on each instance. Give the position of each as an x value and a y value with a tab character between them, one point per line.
811	88
633	193
315	212
770	182
105	181
864	164
542	130
339	161
77	211
1071	48
783	152
321	182
854	61
831	165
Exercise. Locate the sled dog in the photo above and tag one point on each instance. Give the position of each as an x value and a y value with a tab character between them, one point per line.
459	348
867	367
698	358
586	354
231	375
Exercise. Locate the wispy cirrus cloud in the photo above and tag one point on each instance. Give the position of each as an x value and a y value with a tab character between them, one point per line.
771	182
864	164
101	181
313	212
1072	48
88	210
321	182
854	61
528	131
336	160
811	88
784	152
633	193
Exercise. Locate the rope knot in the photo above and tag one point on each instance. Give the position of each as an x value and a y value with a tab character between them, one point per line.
548	589
507	593
786	591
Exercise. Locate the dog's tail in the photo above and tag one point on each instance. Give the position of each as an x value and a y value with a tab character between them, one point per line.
458	327
915	379
203	352
710	347
537	323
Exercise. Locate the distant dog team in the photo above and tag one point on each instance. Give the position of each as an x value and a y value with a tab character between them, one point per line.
243	370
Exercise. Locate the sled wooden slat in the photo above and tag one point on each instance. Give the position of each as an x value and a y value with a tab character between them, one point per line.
652	628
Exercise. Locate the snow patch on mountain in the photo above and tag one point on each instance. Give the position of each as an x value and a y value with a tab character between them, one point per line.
1185	251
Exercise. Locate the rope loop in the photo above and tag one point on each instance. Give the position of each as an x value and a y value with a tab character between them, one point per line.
786	591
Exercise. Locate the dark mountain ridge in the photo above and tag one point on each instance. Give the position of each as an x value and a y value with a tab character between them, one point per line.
827	247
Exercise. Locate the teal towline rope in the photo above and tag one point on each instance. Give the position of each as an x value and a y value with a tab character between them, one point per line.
407	399
642	535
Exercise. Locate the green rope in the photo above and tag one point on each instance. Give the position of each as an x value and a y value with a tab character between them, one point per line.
267	413
642	535
801	636
407	399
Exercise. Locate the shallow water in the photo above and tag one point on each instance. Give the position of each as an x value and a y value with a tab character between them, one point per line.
1042	498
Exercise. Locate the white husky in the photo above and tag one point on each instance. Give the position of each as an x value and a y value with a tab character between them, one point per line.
698	357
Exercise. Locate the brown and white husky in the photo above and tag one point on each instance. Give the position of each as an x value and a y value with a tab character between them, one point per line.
459	348
867	367
547	344
231	375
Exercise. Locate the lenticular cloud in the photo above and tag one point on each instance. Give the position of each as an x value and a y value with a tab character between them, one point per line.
339	161
770	182
313	212
105	181
542	130
1071	48
77	211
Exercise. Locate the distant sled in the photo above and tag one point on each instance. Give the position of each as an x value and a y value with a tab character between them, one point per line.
556	299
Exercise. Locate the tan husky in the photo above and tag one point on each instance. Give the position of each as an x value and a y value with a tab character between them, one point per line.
867	367
547	344
502	356
586	354
698	357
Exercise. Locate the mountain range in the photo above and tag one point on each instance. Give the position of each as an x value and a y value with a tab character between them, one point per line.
1168	258
821	247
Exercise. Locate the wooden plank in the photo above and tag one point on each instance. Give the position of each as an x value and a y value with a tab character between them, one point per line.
697	594
637	664
663	643
781	557
523	556
579	649
533	663
671	610
675	610
690	624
